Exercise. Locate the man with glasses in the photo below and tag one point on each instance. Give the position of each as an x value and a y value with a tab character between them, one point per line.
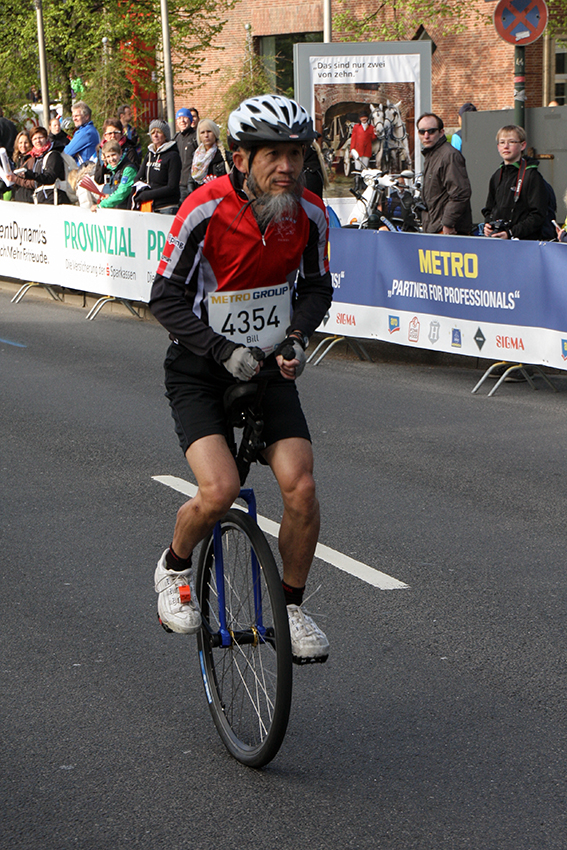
446	188
517	201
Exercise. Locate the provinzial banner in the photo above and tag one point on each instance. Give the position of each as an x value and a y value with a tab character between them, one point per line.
110	252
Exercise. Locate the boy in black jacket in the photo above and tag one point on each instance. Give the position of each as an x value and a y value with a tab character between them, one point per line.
516	206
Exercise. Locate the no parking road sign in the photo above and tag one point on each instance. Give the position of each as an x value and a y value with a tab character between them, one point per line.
520	21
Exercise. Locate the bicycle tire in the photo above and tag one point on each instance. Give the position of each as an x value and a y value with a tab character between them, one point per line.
249	683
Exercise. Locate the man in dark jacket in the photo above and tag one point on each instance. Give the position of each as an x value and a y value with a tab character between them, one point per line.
446	188
186	138
517	197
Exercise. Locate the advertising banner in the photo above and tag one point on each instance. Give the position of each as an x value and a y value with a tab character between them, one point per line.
110	252
474	296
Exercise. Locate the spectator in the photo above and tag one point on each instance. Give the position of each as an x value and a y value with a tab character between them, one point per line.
195	117
314	169
10	190
210	159
456	138
22	189
34	94
363	134
125	115
83	145
446	189
186	138
8	133
118	175
68	126
113	130
159	173
46	168
561	231
517	195
59	139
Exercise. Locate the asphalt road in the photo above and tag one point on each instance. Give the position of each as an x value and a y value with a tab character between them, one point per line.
438	722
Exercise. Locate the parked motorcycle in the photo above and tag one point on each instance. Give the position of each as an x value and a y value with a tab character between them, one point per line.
386	200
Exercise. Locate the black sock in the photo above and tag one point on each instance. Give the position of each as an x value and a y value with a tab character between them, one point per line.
293	595
174	562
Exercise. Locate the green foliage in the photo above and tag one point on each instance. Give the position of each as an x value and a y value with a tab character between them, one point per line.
398	20
249	79
74	33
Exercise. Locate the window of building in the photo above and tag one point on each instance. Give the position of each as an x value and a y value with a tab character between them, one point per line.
277	54
560	90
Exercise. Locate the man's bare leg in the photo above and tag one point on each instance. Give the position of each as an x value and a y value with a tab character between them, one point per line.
291	461
215	471
217	478
292	464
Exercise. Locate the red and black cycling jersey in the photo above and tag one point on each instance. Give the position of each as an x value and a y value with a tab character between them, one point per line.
215	244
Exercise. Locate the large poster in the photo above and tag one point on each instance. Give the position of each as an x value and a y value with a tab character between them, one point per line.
389	82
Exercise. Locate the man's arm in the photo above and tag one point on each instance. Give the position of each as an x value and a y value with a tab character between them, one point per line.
458	189
176	283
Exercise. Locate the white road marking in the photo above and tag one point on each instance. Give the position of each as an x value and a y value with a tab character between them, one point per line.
325	553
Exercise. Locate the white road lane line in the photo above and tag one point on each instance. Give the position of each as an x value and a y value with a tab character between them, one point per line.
325	553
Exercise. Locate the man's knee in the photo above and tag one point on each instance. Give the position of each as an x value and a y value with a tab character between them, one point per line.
300	493
219	495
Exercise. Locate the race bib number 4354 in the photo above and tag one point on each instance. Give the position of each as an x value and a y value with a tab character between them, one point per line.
252	317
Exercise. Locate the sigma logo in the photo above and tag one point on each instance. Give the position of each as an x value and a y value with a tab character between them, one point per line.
514	342
336	278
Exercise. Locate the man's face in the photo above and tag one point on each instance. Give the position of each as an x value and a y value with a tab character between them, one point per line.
510	147
275	168
183	122
195	118
126	115
428	132
364	120
79	118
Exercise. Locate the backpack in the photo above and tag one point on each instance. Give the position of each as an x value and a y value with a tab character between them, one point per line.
64	185
548	233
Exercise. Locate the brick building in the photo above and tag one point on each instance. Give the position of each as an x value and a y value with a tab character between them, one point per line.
475	65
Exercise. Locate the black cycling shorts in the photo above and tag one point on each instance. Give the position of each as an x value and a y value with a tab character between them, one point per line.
195	389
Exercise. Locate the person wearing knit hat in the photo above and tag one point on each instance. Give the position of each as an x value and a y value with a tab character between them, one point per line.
210	160
159	173
158	124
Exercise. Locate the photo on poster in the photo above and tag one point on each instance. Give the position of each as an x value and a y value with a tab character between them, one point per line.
390	110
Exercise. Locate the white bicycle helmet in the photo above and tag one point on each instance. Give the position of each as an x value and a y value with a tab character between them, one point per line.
269	118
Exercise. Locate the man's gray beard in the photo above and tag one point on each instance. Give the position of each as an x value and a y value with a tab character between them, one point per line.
274	208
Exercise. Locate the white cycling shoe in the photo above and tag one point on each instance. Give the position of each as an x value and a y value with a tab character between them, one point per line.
309	644
178	607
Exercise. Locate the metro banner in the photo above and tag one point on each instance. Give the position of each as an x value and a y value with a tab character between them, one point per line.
491	298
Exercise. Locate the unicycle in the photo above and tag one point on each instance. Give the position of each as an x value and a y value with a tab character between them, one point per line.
244	644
